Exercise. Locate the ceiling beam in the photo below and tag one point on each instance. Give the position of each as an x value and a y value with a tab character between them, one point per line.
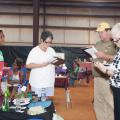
64	3
84	4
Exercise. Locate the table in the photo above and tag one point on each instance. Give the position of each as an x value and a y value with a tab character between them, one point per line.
88	67
12	115
61	81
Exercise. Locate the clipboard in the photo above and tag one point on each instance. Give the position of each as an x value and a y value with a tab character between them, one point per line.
92	52
57	61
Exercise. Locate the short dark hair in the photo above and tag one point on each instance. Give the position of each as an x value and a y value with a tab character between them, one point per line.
45	35
19	62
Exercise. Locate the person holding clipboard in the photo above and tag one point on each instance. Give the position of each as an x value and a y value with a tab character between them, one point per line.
42	73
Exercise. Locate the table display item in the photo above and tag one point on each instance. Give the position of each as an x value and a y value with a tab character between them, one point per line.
43	95
5	104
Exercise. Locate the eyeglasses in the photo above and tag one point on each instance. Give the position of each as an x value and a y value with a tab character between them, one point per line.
116	40
48	42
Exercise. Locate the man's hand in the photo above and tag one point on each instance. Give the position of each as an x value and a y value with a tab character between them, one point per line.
100	54
104	56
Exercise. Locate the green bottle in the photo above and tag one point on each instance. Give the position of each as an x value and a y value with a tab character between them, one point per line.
8	92
5	104
29	95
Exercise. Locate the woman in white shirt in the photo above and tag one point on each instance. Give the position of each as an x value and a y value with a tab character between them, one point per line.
42	73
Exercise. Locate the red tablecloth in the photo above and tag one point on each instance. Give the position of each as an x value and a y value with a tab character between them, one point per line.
61	82
87	65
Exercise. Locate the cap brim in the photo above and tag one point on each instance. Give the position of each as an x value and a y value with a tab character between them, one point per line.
100	29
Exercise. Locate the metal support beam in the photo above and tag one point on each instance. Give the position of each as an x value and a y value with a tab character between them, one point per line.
35	22
44	15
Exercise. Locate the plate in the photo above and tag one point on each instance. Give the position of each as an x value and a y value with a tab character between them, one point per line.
44	104
23	101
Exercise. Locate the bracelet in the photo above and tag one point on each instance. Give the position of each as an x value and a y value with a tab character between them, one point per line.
106	72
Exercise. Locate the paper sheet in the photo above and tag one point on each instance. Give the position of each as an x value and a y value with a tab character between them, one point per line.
92	52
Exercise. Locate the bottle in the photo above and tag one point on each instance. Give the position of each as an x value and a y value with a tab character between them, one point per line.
5	104
29	95
20	92
25	84
18	99
19	89
4	83
8	92
43	95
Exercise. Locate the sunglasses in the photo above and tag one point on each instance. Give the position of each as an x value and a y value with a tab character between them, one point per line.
116	40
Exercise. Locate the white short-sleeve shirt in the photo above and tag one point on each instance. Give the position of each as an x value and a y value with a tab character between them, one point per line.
43	76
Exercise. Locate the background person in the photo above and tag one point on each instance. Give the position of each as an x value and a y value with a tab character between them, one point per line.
42	73
2	40
74	73
14	79
103	98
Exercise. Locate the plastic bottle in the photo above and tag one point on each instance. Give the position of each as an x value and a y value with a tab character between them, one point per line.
18	99
19	89
43	95
5	104
24	87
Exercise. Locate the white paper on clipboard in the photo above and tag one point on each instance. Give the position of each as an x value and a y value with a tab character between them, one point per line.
92	52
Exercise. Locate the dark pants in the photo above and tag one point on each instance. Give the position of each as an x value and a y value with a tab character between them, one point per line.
116	97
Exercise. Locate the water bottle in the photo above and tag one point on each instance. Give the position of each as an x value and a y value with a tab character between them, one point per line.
18	99
5	104
19	89
25	85
43	95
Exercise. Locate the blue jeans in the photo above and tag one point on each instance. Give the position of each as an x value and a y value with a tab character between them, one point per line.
72	81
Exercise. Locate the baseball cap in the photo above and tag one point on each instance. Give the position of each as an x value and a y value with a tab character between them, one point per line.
102	26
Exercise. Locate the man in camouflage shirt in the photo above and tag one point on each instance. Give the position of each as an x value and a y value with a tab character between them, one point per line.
103	98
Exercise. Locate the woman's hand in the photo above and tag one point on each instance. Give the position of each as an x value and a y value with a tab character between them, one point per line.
34	65
110	72
100	66
104	69
44	64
